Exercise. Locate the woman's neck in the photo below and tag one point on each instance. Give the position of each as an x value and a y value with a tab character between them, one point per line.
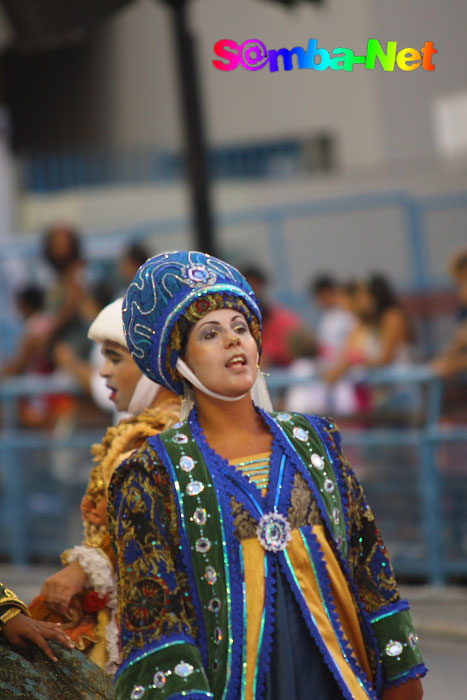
232	428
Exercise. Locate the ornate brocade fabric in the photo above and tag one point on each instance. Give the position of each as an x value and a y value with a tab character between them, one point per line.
148	531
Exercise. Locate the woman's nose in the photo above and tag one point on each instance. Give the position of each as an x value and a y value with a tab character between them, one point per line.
231	339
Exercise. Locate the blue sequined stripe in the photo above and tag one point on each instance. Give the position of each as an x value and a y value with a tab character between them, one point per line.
242	565
261	632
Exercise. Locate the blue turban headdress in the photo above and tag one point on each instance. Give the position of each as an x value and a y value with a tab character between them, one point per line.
173	285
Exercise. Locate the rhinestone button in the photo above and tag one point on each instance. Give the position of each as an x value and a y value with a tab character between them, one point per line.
138	692
159	679
394	648
218	635
194	488
186	463
336	516
300	434
210	574
317	461
200	516
202	545
183	669
329	486
214	605
180	439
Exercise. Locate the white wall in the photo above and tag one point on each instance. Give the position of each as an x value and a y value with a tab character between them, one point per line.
377	117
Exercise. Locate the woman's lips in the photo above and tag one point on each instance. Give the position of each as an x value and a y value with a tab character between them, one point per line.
236	361
113	393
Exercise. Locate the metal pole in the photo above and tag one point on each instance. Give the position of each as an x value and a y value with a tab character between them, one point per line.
196	155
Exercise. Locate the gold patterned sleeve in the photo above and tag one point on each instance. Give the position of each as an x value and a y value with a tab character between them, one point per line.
156	615
10	605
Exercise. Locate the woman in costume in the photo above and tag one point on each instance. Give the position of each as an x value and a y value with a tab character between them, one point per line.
37	661
249	565
82	595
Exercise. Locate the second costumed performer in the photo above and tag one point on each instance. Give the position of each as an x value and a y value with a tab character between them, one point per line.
249	564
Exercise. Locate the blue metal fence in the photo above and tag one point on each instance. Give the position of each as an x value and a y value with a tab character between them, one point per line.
419	504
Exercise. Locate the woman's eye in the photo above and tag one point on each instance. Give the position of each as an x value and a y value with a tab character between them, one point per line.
240	329
209	335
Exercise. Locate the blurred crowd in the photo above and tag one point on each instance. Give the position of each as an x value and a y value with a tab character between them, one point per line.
362	324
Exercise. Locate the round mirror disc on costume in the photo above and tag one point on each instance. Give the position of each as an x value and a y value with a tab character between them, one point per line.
138	692
214	605
184	669
329	486
218	635
200	516
180	439
300	434
283	417
317	461
210	574
202	545
159	679
394	648
336	516
186	463
194	488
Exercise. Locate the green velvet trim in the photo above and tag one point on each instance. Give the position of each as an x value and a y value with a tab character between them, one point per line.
314	445
214	560
141	673
396	631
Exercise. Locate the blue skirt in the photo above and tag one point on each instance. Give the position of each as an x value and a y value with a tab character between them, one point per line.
297	670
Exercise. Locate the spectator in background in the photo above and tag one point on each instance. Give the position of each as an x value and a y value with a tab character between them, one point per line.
458	270
280	325
454	359
129	263
32	353
336	321
87	371
62	250
317	396
384	333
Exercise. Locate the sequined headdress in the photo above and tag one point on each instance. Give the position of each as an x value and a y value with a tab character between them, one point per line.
170	292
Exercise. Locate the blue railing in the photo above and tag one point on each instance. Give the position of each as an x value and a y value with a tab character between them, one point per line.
55	171
417	244
420	483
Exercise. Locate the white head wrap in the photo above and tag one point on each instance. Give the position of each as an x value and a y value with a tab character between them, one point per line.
108	325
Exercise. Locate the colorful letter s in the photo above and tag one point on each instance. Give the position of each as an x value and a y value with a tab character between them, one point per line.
233	59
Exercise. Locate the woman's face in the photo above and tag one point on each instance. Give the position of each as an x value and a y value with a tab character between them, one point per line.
121	373
222	352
